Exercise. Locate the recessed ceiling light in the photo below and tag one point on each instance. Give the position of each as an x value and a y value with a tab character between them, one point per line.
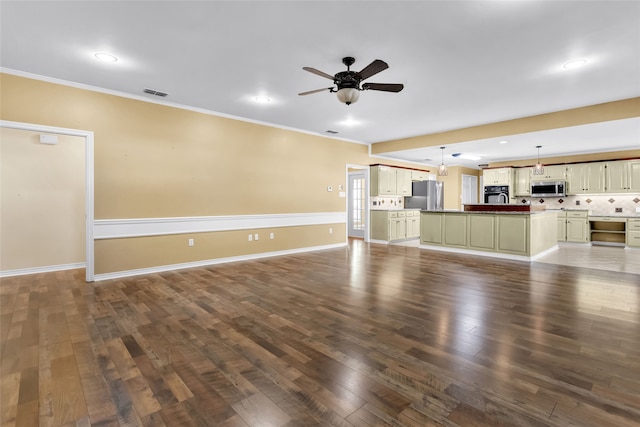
105	57
503	142
574	63
262	99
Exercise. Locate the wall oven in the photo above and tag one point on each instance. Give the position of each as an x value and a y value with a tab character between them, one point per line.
496	194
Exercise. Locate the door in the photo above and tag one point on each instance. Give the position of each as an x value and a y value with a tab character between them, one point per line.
469	190
356	208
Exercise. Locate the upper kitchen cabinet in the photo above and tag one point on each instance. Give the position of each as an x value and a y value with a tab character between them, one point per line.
403	182
586	178
523	181
419	175
623	176
499	176
552	173
389	181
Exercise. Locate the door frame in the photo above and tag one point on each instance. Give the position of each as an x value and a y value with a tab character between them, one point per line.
462	187
89	176
365	170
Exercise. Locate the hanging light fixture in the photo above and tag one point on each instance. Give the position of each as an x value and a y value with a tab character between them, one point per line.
442	169
538	169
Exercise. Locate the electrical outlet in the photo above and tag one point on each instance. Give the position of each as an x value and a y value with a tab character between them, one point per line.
330	230
637	210
190	242
255	237
250	237
271	236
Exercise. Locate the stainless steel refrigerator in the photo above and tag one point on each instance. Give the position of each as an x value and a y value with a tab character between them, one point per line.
426	195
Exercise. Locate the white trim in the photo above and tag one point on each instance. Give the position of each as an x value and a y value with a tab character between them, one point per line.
89	176
490	254
44	269
166	103
160	269
119	228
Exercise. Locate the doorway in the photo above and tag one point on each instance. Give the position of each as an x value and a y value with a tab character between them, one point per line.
469	190
357	200
48	206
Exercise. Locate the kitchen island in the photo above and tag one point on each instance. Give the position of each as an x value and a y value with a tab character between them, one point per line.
519	235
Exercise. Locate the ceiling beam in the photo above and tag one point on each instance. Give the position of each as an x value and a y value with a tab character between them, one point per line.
608	111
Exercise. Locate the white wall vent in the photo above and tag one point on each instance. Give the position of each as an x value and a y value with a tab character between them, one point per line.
155	92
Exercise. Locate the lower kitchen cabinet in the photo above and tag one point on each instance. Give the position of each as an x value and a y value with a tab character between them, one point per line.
455	230
562	227
577	226
633	232
482	232
431	226
389	226
513	234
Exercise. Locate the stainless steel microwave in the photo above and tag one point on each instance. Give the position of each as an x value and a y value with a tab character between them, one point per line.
548	189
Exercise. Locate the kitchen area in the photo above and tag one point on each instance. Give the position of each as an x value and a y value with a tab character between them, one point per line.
524	213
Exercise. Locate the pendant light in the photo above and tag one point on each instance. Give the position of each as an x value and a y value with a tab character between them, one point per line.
538	169
442	169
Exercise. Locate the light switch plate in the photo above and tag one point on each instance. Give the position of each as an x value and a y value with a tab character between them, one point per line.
637	210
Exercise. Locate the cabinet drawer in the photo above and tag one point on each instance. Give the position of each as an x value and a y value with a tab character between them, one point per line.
577	214
633	238
633	225
608	219
401	214
393	214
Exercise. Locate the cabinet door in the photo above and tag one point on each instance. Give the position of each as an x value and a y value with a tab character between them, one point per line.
634	175
523	182
413	227
513	232
617	176
403	182
455	230
577	230
482	232
388	181
489	177
558	172
562	229
594	176
431	228
504	176
575	179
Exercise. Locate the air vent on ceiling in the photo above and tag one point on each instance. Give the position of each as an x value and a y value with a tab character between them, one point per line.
332	131
155	92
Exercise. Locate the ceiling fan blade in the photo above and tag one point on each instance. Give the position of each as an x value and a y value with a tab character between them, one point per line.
387	87
374	68
318	72
315	91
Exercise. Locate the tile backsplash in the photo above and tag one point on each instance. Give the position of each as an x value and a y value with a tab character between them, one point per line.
603	204
386	202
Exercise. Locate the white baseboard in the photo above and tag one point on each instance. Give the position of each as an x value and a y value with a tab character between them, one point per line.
44	269
204	263
490	254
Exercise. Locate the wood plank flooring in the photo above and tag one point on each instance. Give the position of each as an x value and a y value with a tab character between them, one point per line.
368	335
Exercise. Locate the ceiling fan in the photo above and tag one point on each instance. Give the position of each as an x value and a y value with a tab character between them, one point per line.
348	82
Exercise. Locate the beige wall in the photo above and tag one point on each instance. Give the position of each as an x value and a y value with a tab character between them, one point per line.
42	200
156	161
453	185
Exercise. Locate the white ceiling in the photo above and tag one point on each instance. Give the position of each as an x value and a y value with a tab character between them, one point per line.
463	63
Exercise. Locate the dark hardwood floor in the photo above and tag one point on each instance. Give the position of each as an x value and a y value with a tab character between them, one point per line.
368	335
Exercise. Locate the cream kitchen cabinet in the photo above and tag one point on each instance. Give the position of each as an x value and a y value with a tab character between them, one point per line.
390	181
523	182
577	226
419	175
586	178
562	226
431	226
499	176
390	226
623	176
633	232
552	173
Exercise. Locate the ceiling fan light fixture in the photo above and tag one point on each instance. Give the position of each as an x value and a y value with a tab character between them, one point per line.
348	95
